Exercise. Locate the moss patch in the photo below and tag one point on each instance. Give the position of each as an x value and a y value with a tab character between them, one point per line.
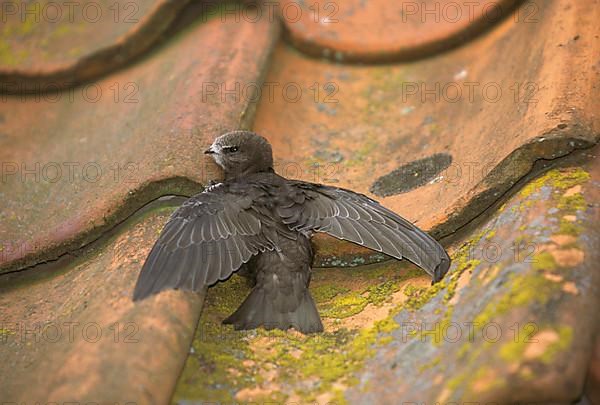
259	365
572	203
326	292
527	287
565	338
559	179
522	289
287	366
345	306
512	351
217	349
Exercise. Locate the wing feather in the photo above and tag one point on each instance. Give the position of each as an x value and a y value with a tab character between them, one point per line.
207	239
355	217
367	233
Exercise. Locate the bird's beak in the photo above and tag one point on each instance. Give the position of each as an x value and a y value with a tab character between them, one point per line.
209	151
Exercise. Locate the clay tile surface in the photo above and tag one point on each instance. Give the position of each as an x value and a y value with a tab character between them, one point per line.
381	30
479	129
438	140
48	45
89	156
70	332
516	320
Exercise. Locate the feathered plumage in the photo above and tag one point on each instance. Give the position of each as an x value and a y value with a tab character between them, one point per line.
262	220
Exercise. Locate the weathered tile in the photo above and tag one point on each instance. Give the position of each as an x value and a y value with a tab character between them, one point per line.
259	366
381	30
90	156
514	321
46	45
71	333
440	139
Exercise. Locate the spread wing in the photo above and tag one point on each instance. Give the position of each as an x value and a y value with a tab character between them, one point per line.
357	218
208	238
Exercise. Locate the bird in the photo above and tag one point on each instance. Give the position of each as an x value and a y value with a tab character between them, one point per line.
260	224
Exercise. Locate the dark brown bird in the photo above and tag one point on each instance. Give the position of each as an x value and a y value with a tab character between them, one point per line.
261	222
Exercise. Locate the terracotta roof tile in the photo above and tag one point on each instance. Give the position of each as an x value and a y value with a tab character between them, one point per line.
70	331
522	303
90	156
481	115
74	169
382	30
49	45
513	321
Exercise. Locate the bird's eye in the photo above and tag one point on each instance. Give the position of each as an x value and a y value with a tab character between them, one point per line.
230	149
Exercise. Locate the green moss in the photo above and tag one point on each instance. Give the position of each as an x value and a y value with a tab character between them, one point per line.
561	179
472	374
6	332
462	265
333	357
455	382
523	289
513	350
338	301
226	297
207	375
572	203
543	261
11	57
433	363
326	292
217	349
569	228
344	306
322	358
380	293
417	297
442	327
565	334
230	361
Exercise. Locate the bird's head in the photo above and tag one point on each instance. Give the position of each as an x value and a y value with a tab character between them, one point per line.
241	152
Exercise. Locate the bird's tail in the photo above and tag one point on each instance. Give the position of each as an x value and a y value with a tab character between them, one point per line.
258	309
